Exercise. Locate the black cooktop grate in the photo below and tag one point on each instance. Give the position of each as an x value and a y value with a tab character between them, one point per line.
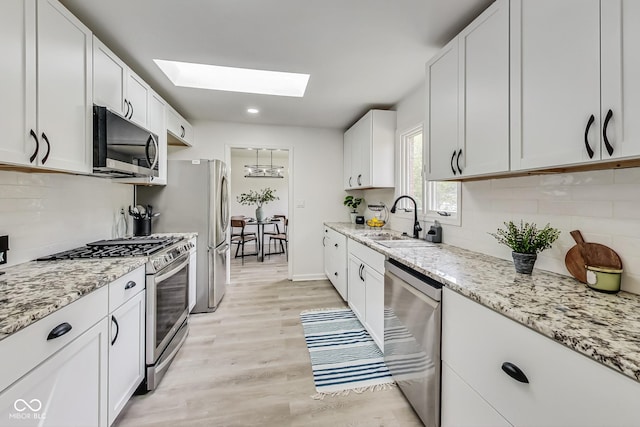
117	248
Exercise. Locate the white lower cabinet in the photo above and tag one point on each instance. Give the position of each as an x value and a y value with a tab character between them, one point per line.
68	389
366	288
126	339
564	388
335	260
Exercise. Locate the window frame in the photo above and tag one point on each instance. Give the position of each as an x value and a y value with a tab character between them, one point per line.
402	175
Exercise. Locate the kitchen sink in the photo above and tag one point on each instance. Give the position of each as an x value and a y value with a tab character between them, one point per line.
410	243
386	236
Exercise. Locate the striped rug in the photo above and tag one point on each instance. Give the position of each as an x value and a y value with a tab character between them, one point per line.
343	356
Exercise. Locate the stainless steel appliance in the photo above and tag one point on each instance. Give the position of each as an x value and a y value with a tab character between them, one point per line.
121	148
196	198
412	337
167	291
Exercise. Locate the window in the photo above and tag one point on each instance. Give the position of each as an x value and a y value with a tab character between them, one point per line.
435	199
411	179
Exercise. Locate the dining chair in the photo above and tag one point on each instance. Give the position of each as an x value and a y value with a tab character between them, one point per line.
240	238
276	225
283	239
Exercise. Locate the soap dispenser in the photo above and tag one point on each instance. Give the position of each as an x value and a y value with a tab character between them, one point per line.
435	233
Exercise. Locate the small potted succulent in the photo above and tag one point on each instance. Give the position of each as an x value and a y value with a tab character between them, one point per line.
258	198
526	241
353	203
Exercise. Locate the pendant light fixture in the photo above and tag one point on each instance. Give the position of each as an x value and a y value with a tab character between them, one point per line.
264	171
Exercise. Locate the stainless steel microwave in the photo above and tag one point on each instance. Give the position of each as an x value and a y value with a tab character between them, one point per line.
121	148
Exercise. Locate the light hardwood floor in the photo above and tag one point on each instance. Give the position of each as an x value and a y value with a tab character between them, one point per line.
247	364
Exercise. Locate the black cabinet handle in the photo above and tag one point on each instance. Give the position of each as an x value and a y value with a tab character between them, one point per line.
59	331
586	136
131	105
458	161
336	245
126	112
115	321
46	156
514	372
350	181
130	284
35	153
183	131
335	274
604	132
453	169
359	182
360	272
323	239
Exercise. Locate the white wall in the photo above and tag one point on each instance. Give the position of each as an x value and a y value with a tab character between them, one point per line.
240	184
603	205
316	179
46	213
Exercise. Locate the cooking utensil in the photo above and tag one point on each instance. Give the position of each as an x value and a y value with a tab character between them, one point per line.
594	254
142	210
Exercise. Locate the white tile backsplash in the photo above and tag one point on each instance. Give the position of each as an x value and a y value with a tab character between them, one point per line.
45	213
603	205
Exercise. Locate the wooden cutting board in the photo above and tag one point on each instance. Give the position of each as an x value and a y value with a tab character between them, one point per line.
594	254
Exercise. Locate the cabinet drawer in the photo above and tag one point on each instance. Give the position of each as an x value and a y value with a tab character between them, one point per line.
27	348
565	388
123	289
370	257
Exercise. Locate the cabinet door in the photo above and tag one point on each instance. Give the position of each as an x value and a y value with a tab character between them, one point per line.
109	78
555	82
374	303
339	264
484	80
356	284
462	406
18	84
137	97
68	389
126	353
441	121
348	170
620	83
360	135
64	89
328	255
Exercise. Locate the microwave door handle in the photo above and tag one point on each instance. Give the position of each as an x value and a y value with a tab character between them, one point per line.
157	156
151	163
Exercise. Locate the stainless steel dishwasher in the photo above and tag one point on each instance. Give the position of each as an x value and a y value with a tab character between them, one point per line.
412	327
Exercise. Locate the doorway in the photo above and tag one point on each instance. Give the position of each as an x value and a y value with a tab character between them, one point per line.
265	251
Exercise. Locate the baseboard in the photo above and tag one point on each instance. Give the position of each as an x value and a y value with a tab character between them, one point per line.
308	277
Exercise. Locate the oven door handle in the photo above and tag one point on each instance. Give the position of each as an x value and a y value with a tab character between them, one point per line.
173	271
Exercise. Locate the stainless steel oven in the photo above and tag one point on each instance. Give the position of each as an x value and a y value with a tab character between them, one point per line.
167	309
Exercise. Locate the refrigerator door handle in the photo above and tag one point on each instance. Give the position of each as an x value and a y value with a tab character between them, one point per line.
222	248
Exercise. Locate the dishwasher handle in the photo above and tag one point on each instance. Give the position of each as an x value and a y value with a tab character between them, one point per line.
422	283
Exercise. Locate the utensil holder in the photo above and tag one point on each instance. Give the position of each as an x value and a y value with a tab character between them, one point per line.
141	226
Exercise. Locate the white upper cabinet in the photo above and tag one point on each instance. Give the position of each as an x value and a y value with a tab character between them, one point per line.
620	68
571	62
369	151
467	113
137	100
17	85
109	78
64	89
442	112
180	131
46	100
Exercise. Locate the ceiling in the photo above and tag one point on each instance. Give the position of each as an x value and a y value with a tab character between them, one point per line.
361	54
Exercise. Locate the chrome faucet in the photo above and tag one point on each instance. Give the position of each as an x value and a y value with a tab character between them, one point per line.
416	225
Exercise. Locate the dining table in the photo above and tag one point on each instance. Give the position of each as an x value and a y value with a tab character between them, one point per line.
260	225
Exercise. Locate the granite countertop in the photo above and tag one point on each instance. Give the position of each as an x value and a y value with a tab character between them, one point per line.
602	326
32	290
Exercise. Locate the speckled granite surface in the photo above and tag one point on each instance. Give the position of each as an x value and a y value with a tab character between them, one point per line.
31	291
602	326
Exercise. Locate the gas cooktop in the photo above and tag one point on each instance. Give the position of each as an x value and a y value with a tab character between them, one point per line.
116	248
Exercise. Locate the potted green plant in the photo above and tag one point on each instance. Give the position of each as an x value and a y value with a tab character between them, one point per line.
353	203
526	241
258	198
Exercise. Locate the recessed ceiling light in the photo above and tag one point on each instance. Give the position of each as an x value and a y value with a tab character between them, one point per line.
253	110
232	79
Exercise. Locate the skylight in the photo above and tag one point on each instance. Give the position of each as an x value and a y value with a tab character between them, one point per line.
231	79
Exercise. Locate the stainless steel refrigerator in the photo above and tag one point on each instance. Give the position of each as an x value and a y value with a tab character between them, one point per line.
196	198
